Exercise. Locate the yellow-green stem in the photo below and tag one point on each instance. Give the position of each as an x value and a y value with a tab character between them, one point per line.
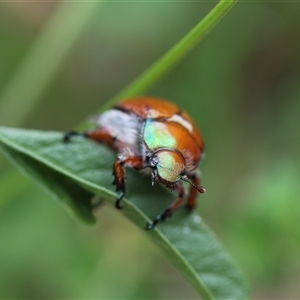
175	54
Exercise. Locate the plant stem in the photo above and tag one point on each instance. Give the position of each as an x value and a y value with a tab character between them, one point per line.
175	54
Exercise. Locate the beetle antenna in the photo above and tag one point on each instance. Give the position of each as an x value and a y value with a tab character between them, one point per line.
200	189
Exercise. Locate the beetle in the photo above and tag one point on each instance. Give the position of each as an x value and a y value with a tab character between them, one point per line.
154	134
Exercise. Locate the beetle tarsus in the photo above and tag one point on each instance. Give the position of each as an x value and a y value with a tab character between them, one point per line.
68	135
119	198
160	217
150	226
154	223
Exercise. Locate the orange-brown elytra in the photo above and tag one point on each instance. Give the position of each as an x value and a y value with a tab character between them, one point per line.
155	134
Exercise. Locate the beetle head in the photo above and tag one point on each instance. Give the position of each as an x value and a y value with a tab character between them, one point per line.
168	167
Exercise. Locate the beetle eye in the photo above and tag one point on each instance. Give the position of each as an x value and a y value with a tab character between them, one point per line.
153	161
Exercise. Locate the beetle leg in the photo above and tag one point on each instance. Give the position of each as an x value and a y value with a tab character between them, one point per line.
68	135
194	188
134	162
171	208
99	135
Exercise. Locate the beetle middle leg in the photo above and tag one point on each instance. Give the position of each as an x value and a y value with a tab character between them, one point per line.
171	208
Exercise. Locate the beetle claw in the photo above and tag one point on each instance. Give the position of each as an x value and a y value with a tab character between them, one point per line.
150	226
158	218
118	201
68	135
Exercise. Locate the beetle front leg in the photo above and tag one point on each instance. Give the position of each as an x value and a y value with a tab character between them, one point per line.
134	162
171	208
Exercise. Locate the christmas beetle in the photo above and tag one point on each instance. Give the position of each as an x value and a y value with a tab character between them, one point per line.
154	134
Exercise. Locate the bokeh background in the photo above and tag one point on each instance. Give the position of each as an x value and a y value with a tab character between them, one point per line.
59	62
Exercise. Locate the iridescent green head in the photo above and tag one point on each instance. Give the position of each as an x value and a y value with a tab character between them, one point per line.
168	166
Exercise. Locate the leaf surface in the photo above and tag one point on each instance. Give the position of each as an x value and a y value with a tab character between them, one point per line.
76	171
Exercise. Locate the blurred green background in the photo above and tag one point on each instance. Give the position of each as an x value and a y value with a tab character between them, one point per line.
59	62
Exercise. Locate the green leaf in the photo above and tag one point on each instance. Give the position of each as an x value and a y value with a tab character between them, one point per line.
74	172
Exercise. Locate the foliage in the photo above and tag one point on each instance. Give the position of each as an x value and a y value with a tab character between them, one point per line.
241	87
73	172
